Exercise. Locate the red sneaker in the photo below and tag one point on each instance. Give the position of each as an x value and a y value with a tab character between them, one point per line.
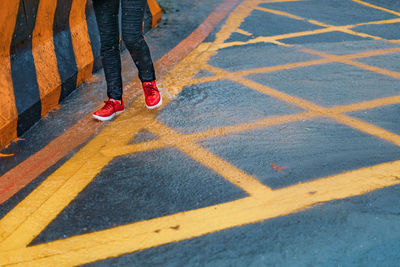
152	95
110	109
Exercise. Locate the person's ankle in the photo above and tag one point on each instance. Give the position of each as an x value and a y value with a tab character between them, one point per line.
119	100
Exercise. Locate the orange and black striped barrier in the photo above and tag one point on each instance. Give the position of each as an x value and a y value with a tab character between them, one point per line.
47	49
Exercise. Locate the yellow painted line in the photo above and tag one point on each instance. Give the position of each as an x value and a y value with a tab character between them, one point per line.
379	22
34	213
186	69
346	28
44	55
281	43
22	224
344	119
360	34
318	23
223	75
368	128
371	53
379	70
347	60
235	19
236	176
81	41
288	66
367	104
326	58
328	28
8	109
177	227
281	13
269	91
135	148
377	7
244	32
269	39
245	127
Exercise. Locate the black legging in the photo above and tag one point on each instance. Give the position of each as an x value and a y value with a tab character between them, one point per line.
132	34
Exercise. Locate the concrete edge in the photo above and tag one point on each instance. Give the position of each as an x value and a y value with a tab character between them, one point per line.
46	52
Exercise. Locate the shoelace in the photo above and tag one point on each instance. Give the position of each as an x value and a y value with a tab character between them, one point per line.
109	105
150	90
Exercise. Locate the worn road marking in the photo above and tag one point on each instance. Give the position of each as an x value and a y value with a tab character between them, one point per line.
20	226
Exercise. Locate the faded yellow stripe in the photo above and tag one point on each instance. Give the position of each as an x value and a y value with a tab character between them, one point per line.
244	32
228	171
81	41
367	104
377	7
177	227
281	13
8	109
235	19
368	128
379	22
39	208
352	122
44	55
347	60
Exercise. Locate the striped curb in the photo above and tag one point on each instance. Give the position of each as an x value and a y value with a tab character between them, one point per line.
48	49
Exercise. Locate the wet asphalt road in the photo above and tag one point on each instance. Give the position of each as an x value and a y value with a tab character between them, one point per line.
278	145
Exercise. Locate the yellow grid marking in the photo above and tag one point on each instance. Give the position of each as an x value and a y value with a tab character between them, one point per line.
281	13
326	112
327	58
155	232
377	7
22	224
244	32
346	60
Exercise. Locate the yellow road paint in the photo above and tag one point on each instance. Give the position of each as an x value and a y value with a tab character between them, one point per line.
244	32
352	122
270	39
347	60
367	104
281	13
380	22
377	7
282	44
327	58
368	128
22	224
327	28
245	127
236	176
159	231
44	55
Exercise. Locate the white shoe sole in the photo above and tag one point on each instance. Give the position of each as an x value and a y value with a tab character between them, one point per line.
107	118
156	106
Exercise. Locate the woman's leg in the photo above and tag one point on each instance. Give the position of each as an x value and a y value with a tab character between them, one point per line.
132	34
107	20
